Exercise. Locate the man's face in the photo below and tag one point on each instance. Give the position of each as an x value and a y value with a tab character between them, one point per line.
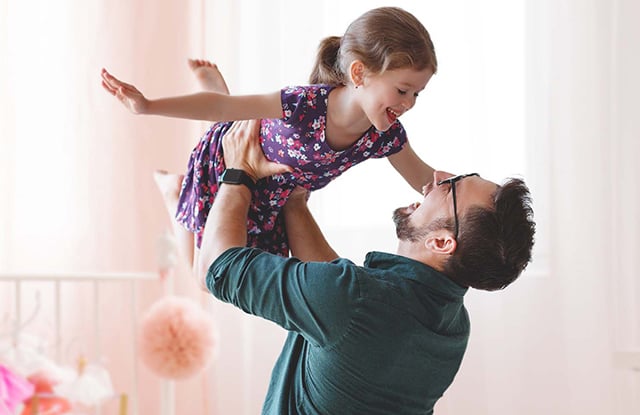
418	219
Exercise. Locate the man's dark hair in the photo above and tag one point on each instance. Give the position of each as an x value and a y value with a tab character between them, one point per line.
494	245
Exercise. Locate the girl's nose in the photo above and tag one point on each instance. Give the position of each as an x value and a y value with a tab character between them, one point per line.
409	103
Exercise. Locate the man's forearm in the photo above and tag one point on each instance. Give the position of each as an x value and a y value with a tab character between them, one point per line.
306	240
226	226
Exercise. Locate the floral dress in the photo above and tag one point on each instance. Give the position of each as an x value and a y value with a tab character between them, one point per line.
297	139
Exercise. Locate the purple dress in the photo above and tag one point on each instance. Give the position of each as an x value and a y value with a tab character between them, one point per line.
298	140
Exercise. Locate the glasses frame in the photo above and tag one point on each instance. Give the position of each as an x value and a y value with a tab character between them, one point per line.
452	181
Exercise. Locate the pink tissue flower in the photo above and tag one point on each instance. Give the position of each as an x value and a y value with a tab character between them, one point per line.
13	390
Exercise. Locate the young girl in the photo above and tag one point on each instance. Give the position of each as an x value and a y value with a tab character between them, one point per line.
361	83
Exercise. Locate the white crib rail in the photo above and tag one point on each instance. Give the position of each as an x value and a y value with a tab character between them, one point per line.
17	279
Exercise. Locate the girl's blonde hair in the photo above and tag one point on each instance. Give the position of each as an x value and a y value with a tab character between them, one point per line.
384	39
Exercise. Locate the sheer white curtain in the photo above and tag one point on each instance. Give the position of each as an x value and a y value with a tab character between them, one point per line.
625	200
70	155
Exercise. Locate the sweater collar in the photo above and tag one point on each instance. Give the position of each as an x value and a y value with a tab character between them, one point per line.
415	270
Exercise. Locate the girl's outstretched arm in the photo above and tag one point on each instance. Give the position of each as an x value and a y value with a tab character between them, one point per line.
206	106
410	166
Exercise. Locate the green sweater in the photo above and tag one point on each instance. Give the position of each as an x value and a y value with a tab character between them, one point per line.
384	338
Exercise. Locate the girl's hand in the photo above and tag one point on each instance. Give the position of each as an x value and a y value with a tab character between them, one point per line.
127	94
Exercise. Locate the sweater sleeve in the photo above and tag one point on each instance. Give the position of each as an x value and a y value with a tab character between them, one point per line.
315	299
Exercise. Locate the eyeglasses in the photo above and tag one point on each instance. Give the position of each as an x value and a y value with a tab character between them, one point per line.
452	181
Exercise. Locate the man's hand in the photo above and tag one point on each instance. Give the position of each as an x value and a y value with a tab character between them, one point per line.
241	145
297	199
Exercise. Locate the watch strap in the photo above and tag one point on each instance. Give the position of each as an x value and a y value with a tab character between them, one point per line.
237	176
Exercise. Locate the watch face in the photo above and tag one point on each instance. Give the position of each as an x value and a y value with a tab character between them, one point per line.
236	176
233	176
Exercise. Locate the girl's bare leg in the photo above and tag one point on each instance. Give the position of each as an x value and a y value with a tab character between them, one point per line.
169	186
210	79
208	76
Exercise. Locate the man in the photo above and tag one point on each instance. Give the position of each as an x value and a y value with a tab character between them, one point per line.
384	338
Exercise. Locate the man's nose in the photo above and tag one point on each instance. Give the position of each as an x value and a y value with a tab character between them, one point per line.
439	175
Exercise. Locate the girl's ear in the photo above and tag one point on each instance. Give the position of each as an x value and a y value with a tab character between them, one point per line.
356	72
441	242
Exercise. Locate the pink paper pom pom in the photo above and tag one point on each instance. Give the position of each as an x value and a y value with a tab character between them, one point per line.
176	338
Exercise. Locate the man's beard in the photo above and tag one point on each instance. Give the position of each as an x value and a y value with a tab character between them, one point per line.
405	230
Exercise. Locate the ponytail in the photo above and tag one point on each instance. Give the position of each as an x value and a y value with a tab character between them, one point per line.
326	69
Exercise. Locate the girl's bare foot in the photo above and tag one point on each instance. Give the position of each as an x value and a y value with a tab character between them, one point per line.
208	76
169	185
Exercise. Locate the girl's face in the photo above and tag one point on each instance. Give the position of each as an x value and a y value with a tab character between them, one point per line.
388	95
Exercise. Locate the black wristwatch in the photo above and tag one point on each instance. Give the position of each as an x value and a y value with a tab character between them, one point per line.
237	176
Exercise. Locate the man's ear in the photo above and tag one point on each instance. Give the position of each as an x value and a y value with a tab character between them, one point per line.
357	72
441	242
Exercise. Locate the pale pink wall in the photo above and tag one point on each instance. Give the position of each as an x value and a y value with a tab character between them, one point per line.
77	187
81	190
